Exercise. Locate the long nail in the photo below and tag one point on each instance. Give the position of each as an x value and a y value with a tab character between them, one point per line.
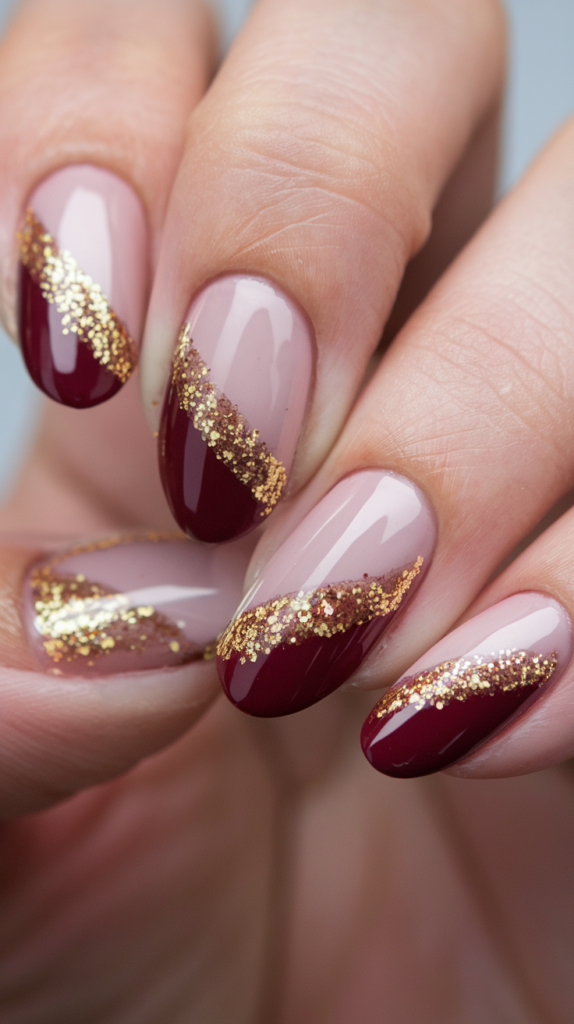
82	281
234	407
123	604
468	686
326	596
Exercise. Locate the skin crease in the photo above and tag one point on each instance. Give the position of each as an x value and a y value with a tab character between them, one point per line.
248	872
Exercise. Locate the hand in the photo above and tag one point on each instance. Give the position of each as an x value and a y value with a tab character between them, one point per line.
262	870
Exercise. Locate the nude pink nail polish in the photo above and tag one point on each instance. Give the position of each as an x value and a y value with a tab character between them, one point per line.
234	407
125	604
468	686
326	596
82	284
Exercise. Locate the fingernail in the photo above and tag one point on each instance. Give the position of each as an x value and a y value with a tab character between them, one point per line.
234	407
82	282
468	686
126	604
326	596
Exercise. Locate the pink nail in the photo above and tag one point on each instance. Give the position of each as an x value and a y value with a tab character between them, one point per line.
121	604
468	686
324	599
83	278
234	407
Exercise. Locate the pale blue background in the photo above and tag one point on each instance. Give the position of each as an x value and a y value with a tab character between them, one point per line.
540	96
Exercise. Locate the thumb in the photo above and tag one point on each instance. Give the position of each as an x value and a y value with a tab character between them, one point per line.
91	677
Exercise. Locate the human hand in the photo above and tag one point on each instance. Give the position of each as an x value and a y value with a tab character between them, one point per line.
238	874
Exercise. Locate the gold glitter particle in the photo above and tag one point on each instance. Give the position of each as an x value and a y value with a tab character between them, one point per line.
84	309
80	618
461	679
224	429
323	613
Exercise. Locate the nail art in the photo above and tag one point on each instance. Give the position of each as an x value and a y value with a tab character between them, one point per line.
82	280
234	407
125	604
326	596
468	686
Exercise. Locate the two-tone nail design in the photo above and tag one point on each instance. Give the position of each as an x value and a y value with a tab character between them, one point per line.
234	407
324	599
82	281
127	604
468	686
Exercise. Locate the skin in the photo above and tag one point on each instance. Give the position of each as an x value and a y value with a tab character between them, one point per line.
261	872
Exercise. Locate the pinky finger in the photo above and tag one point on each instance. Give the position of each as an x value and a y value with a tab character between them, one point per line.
495	696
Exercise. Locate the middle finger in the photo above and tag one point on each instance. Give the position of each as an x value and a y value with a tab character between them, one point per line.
310	173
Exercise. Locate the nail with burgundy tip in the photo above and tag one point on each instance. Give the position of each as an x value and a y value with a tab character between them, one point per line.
82	284
468	686
234	407
124	604
326	596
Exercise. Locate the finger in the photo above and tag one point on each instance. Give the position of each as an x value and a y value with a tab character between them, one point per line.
473	403
310	173
106	663
545	735
93	103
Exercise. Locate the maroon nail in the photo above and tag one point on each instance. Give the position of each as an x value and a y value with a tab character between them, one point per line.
467	687
326	596
82	281
125	604
234	407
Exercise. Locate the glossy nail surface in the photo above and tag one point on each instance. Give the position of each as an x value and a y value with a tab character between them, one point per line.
121	604
234	407
468	686
82	284
324	599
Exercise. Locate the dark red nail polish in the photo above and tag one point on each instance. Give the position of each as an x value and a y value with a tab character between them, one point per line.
341	576
435	716
82	267
234	407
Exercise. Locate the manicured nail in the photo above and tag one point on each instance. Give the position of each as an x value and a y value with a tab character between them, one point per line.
326	596
82	283
121	604
468	686
234	407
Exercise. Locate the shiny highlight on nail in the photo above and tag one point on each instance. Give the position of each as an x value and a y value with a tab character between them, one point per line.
321	613
84	309
224	429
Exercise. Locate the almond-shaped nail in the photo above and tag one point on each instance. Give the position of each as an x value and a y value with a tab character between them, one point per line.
234	407
326	596
82	284
127	604
468	686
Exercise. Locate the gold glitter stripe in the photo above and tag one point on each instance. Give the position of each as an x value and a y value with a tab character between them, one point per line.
323	613
84	309
461	679
224	429
82	619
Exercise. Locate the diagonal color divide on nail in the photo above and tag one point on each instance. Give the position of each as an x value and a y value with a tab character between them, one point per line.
323	613
81	618
469	686
224	429
84	309
465	679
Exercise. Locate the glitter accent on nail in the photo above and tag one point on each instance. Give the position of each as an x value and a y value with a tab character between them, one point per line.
322	613
84	309
224	429
464	678
84	620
